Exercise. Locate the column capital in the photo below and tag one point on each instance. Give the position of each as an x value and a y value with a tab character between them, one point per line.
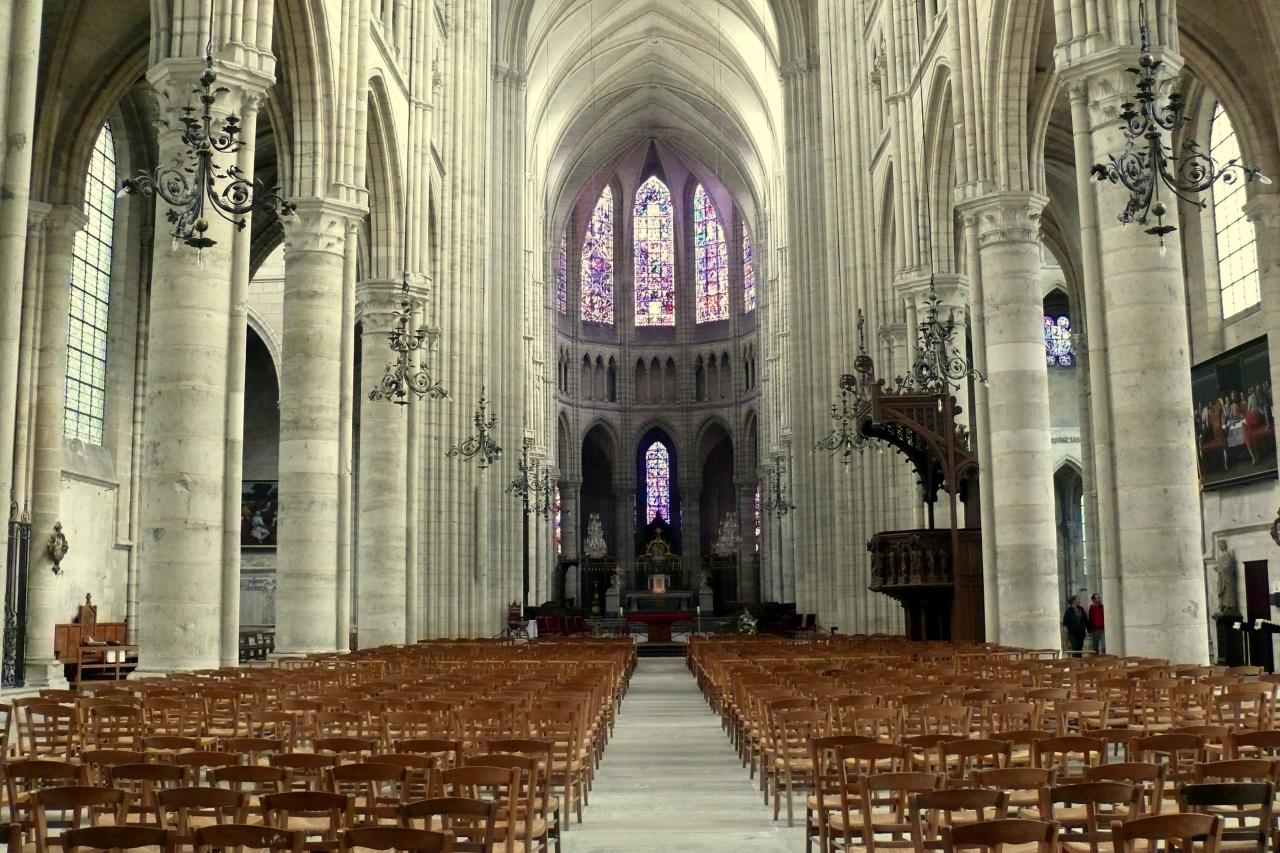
62	222
1263	209
1103	80
377	299
1008	217
173	79
318	225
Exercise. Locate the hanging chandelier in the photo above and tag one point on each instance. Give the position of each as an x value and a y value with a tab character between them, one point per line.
776	500
401	376
482	445
1147	162
938	368
533	485
190	186
845	438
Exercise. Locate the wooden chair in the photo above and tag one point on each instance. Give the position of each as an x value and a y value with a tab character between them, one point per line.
199	762
238	837
1189	833
932	810
1239	770
1069	756
395	838
98	763
146	838
1021	784
1147	776
1001	834
140	782
471	822
74	804
497	785
827	776
318	814
886	799
376	789
527	824
25	776
961	759
789	761
53	731
1085	811
1246	810
184	810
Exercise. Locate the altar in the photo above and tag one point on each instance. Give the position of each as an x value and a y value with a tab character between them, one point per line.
671	601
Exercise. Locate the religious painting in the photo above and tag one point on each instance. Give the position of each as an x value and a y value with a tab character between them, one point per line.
259	513
1234	418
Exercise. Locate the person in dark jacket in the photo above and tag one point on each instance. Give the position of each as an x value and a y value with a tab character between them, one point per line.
1076	621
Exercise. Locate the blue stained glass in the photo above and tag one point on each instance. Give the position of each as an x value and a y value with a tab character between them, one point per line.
562	277
748	272
1058	346
657	482
713	260
597	263
655	281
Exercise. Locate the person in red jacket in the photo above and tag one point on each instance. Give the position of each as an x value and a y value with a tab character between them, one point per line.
1097	625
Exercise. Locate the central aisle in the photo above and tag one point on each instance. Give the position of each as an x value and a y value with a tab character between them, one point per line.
671	779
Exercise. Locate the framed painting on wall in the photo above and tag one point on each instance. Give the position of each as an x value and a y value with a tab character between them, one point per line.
1234	417
259	513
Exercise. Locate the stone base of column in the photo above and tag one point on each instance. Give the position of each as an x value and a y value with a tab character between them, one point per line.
44	673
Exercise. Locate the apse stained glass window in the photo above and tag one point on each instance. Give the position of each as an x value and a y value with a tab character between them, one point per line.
85	404
1058	347
712	260
562	277
559	530
748	272
597	263
1237	249
657	482
757	516
654	251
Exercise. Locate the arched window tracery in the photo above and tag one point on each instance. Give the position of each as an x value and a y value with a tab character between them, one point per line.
657	482
597	263
712	259
1236	238
748	272
654	252
84	410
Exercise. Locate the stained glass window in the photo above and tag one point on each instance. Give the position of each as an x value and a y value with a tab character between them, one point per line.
657	482
654	255
555	508
85	404
712	260
1237	249
757	517
562	277
748	272
597	263
1058	347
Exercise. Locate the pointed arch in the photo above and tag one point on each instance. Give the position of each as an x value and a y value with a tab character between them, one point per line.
596	291
711	259
653	250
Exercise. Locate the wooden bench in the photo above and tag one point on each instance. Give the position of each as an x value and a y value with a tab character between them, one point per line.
92	649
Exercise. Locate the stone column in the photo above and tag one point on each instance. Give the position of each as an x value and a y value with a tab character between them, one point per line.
381	543
570	532
1021	494
49	598
1263	210
748	583
183	449
310	401
21	56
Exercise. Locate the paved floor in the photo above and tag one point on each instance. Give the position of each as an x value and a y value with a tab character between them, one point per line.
671	780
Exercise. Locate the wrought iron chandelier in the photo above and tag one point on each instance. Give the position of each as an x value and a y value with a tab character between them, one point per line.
845	438
1147	161
938	368
482	445
401	375
533	484
190	185
776	500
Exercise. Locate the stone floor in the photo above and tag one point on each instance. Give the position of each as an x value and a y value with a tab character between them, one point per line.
671	780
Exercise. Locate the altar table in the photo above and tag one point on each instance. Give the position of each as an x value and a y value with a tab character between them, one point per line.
659	624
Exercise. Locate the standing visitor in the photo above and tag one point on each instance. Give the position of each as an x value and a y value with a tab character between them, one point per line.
1097	625
1076	621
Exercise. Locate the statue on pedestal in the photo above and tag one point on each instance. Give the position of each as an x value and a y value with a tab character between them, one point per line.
1224	565
595	546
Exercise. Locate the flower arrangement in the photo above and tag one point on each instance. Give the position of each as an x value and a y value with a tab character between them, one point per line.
747	623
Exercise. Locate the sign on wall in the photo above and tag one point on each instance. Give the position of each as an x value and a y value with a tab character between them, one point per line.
1234	416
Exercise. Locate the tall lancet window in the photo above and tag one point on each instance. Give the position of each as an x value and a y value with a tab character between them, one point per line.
84	411
562	277
597	263
1237	249
713	260
657	482
654	255
748	272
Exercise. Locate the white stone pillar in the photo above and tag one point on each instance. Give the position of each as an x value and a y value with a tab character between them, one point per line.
1263	210
49	600
748	583
23	53
381	543
184	445
310	401
1021	493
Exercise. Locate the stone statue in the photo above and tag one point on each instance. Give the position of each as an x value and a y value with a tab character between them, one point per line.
613	582
704	582
1224	564
595	546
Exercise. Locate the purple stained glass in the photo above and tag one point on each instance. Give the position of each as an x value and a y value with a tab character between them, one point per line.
655	280
1058	346
597	263
748	272
713	260
562	277
657	482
